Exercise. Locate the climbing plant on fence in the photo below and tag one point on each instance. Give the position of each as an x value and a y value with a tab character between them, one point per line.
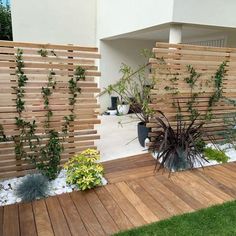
45	90
200	78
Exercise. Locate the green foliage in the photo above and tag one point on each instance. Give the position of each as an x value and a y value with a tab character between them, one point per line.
47	92
74	91
134	88
50	156
192	102
200	144
26	129
80	73
45	158
32	187
193	77
5	22
21	82
83	171
218	86
3	137
216	155
27	136
43	52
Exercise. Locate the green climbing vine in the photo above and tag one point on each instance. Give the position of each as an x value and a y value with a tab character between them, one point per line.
50	155
218	89
26	129
47	92
193	80
44	53
46	157
192	102
3	137
74	90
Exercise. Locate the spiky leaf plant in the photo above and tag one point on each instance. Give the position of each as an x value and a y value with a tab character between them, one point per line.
32	187
177	146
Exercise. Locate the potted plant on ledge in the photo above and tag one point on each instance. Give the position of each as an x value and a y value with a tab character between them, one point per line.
134	87
122	107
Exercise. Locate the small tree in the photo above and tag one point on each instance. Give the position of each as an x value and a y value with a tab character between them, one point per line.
5	22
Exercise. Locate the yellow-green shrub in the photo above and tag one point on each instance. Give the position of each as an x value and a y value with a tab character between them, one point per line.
84	171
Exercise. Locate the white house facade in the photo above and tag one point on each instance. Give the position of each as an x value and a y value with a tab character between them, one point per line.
121	28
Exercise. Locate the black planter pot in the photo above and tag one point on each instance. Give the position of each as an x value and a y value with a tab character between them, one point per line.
142	133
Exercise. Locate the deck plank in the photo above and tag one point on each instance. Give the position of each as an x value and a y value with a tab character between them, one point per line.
129	210
196	190
170	195
11	221
142	209
135	196
150	202
222	178
215	182
42	220
129	163
123	175
27	222
59	223
1	220
178	191
101	213
160	198
113	208
72	216
217	192
88	217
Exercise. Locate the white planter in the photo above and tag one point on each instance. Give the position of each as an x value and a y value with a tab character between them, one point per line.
123	109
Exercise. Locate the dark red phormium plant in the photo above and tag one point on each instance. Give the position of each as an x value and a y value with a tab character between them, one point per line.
177	147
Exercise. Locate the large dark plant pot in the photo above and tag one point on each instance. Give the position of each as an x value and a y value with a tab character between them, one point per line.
142	133
178	161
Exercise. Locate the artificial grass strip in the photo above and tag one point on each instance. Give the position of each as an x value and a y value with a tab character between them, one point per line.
217	220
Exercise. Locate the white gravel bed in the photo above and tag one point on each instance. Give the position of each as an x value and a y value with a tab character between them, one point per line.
56	187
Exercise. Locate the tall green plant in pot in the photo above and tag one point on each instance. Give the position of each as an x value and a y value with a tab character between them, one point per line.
134	87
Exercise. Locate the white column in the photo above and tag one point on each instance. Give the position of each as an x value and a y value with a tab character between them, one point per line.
175	35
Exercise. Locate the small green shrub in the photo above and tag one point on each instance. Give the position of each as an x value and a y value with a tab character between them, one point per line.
200	144
216	155
83	171
32	187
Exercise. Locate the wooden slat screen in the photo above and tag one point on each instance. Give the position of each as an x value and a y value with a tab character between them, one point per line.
171	61
63	60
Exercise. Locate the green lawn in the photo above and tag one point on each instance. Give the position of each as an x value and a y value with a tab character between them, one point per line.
217	220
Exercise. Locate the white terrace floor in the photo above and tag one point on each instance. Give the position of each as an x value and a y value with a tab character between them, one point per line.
116	140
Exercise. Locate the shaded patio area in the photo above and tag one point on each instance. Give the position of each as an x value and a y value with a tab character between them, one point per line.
135	196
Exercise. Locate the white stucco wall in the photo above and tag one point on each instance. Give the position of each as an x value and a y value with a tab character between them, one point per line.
116	52
116	17
207	12
55	21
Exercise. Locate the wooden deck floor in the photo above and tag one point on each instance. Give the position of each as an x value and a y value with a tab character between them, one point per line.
134	197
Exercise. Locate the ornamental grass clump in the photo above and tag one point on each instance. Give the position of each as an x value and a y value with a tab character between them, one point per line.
178	146
33	187
84	171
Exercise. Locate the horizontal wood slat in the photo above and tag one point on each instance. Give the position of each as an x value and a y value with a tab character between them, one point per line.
169	67
63	60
